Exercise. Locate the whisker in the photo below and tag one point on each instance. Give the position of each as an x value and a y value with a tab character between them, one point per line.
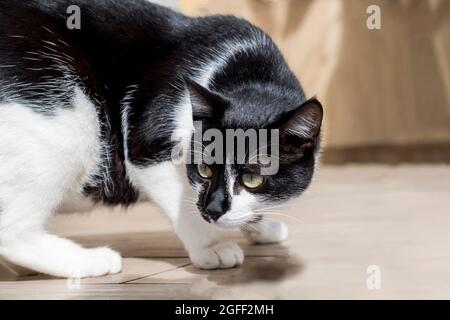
282	215
272	208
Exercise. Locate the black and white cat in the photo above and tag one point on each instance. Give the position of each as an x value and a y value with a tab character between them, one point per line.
90	116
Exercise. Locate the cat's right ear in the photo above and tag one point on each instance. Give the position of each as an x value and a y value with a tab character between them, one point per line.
304	122
205	103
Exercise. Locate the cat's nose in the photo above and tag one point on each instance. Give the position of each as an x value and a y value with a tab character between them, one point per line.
215	210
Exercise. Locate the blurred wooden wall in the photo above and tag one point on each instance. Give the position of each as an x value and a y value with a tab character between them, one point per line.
386	92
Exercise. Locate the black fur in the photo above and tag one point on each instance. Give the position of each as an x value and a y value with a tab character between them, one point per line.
145	52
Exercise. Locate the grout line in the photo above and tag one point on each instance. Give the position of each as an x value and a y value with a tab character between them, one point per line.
178	267
251	255
154	274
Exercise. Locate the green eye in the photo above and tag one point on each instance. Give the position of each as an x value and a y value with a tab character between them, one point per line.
252	181
204	171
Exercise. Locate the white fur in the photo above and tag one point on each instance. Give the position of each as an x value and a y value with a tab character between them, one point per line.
222	55
266	231
44	162
241	210
166	184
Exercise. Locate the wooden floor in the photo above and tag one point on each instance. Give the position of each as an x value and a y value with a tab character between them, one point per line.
394	218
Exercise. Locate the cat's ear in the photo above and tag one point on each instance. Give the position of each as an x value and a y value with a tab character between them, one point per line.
300	130
304	122
205	103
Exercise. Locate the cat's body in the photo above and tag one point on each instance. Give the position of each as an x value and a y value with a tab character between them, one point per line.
91	116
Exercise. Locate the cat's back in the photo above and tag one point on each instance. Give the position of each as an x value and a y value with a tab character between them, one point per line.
106	50
100	26
123	19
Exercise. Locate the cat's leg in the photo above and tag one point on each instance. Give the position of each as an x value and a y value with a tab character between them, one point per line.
265	231
203	243
23	240
164	185
41	157
49	254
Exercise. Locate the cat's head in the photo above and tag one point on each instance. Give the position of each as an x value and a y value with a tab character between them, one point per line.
231	192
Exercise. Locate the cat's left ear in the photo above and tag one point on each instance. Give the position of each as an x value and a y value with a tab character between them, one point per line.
304	122
205	103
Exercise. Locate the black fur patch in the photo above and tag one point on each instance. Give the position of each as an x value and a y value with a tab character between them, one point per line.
136	44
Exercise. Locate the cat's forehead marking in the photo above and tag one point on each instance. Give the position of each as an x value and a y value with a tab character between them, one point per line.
230	179
227	51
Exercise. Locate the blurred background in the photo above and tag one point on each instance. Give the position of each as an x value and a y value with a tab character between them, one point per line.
386	92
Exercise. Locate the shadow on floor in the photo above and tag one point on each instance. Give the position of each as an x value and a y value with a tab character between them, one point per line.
267	263
254	270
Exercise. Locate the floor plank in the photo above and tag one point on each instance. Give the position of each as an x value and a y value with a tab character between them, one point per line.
166	244
59	291
256	269
353	217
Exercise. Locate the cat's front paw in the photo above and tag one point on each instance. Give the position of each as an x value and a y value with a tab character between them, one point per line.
266	232
62	258
95	262
114	260
223	255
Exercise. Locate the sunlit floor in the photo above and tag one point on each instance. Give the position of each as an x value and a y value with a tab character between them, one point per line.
394	220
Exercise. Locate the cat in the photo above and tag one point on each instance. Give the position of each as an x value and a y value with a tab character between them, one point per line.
91	115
